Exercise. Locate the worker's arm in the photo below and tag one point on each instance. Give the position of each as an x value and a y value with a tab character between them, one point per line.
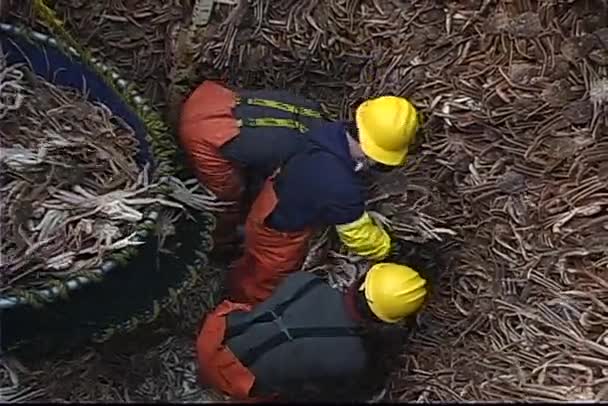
365	238
345	209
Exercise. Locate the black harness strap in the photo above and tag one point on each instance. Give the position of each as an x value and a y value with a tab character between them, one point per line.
271	315
253	354
286	334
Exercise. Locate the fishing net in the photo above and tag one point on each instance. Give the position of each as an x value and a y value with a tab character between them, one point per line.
134	35
93	212
506	186
71	187
165	278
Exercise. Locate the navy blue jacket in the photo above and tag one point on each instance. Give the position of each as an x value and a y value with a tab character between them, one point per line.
318	186
259	151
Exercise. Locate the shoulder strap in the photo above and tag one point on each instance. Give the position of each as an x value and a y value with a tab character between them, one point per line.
277	105
272	122
277	122
253	354
273	314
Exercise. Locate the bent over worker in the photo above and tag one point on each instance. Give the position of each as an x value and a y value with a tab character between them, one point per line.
319	186
236	140
306	333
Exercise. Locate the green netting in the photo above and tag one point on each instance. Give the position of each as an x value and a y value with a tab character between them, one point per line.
144	280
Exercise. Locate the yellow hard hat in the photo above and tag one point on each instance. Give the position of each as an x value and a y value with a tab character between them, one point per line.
393	291
387	126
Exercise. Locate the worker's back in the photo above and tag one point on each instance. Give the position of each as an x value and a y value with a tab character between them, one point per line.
318	186
302	334
263	149
256	130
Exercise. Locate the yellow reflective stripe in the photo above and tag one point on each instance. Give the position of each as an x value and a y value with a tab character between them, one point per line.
277	105
272	122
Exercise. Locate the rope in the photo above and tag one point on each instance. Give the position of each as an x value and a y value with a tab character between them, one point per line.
164	151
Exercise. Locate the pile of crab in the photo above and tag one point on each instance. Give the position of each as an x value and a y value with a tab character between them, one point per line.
71	189
507	185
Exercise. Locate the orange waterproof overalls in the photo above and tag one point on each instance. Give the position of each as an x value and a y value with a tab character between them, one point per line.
269	254
207	123
218	366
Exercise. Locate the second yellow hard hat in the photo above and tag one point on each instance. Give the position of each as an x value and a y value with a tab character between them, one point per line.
393	291
387	126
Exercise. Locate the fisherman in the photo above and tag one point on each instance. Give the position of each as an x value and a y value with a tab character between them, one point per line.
319	186
308	333
235	140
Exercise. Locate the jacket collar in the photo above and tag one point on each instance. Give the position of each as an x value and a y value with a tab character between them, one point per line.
349	299
332	138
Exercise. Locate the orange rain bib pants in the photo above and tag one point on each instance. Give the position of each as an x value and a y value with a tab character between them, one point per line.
218	366
208	122
269	254
228	347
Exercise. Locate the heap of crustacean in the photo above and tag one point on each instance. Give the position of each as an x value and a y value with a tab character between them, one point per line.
508	184
70	188
509	180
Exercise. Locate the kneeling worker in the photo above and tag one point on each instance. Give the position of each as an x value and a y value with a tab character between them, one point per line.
235	140
305	333
321	186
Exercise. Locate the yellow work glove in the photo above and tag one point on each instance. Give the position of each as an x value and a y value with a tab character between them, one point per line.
365	238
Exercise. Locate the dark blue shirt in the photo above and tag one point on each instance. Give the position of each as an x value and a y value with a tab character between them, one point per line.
259	151
318	185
